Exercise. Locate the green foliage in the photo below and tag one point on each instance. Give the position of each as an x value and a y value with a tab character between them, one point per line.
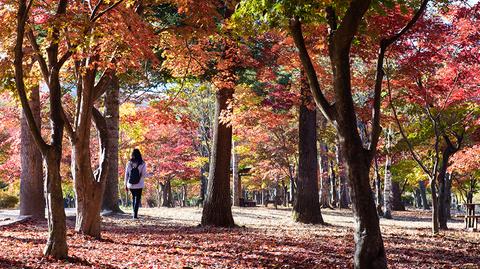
8	200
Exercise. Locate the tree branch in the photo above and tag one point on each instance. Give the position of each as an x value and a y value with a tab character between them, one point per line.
41	61
384	44
101	125
327	109
22	15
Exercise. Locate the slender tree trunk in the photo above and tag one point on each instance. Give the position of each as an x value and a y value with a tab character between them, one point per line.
448	194
292	184
203	182
433	187
423	195
217	210
387	191
57	231
333	185
342	186
184	195
306	208
323	167
237	183
112	107
32	199
378	188
418	198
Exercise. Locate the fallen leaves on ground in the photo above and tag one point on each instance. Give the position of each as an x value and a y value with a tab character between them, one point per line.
169	238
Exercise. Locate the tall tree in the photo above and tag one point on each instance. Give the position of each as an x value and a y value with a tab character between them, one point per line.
370	252
306	208
112	118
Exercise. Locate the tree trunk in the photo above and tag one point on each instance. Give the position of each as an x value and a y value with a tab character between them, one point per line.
112	107
217	209
387	191
203	182
333	185
433	187
184	195
378	188
32	199
423	194
342	186
444	186
292	184
52	154
323	165
306	208
89	184
167	197
397	204
237	183
418	198
448	194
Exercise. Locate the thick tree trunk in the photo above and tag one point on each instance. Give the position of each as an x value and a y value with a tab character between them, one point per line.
423	195
112	107
32	199
342	186
369	249
237	183
217	210
88	191
397	204
378	188
306	208
89	184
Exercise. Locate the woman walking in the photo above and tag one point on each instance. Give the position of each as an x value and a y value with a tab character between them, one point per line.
135	173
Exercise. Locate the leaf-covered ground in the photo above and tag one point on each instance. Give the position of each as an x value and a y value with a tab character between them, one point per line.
266	238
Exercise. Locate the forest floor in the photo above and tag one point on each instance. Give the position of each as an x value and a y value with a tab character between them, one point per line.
266	238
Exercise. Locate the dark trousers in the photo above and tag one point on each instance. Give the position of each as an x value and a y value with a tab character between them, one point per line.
136	199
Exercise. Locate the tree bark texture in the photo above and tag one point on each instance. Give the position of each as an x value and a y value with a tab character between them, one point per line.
306	208
112	118
387	191
217	209
32	199
378	188
324	178
342	177
397	204
423	194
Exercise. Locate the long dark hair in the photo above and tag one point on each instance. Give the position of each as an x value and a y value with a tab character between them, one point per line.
136	157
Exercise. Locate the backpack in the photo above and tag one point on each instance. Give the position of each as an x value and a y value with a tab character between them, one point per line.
135	175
